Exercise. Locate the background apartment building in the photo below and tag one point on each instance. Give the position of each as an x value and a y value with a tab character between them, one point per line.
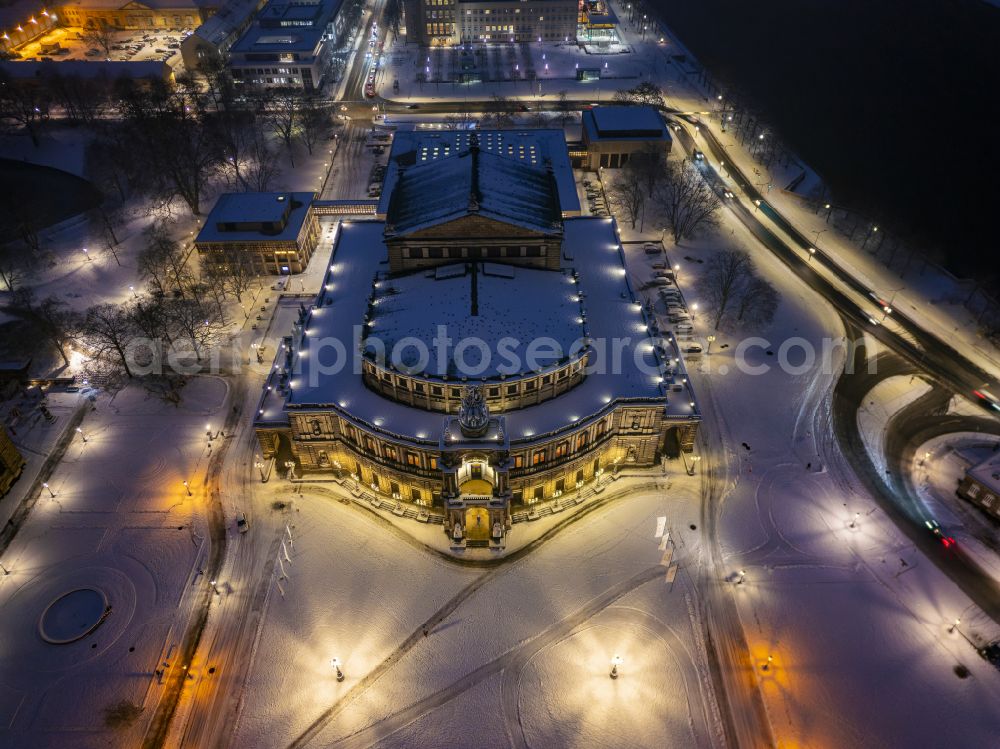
444	22
288	46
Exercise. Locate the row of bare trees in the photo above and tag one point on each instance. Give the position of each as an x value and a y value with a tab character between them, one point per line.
674	190
167	142
178	312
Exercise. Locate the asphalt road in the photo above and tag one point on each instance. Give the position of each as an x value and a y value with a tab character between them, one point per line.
893	491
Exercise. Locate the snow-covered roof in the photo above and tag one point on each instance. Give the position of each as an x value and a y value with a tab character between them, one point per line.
301	39
624	123
987	473
229	19
326	371
536	147
234	215
473	181
413	306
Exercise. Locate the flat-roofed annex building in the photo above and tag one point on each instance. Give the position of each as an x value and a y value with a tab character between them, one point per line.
487	421
274	232
612	134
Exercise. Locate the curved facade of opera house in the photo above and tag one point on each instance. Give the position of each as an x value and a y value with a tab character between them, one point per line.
475	351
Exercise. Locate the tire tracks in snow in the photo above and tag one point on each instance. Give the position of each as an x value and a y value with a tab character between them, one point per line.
516	657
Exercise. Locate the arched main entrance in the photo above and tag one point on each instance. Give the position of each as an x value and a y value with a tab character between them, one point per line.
477	524
476	476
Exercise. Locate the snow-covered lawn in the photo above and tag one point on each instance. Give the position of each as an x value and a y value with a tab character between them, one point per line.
121	522
526	649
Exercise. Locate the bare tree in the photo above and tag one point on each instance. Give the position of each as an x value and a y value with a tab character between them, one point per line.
58	324
100	36
686	200
758	303
500	112
22	105
649	164
627	196
281	111
13	265
168	138
314	124
646	92
196	322
162	262
563	108
724	282
262	164
108	333
81	98
149	316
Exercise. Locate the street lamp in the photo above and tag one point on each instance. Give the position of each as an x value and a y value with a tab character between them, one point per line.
757	204
811	251
48	489
187	489
616	661
335	662
132	289
711	340
767	664
694	310
854	522
215	587
743	574
81	433
954	626
259	465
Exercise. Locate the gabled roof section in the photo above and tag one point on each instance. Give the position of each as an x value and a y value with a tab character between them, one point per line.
474	182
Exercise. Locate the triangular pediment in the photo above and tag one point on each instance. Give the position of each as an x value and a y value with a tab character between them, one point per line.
472	226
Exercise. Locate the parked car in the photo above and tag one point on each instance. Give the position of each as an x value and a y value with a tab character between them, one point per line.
651	249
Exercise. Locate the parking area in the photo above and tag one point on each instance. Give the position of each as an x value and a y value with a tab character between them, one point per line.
135	44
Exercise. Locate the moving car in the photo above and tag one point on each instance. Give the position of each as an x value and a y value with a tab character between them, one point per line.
935	528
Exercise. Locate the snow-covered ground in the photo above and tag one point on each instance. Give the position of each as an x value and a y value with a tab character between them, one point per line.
523	649
852	616
121	522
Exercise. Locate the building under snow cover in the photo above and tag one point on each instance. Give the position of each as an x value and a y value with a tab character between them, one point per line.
476	351
612	134
271	232
981	485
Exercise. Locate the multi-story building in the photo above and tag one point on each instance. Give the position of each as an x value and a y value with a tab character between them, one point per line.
502	21
477	376
138	14
216	36
288	46
445	22
273	232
